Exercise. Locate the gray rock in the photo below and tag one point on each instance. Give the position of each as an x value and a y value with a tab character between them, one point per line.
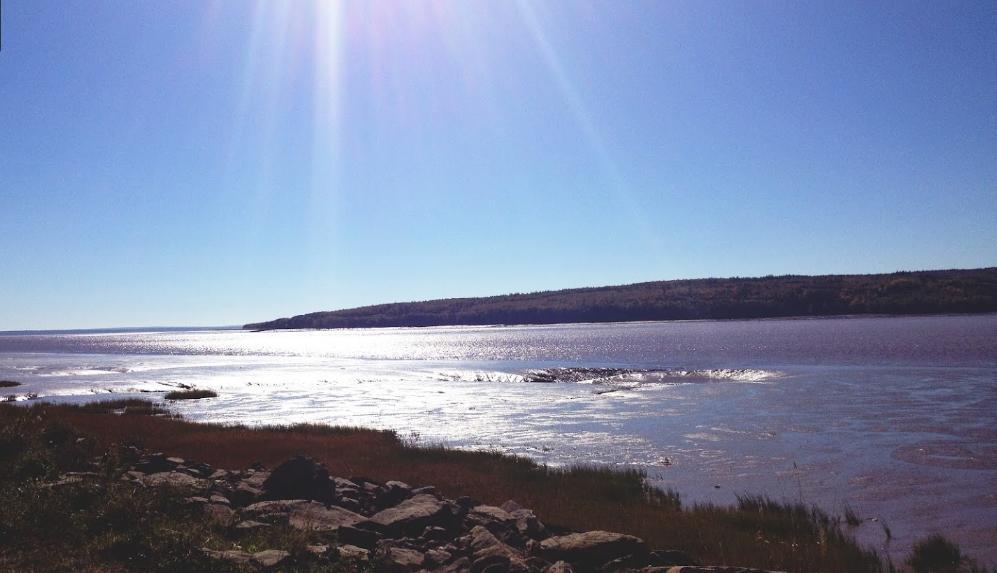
487	549
353	553
176	480
413	515
232	555
269	557
219	513
399	559
591	549
317	517
560	567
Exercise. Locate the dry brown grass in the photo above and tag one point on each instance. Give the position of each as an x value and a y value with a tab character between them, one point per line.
760	533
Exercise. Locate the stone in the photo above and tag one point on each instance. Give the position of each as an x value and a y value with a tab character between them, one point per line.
560	567
316	517
219	513
413	515
299	478
438	556
399	560
591	548
215	498
231	555
155	463
511	506
486	513
359	537
353	553
250	525
269	557
175	480
485	548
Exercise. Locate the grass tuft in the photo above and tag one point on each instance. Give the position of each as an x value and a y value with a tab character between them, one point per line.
192	394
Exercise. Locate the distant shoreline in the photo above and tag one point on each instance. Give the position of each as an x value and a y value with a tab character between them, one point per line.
945	292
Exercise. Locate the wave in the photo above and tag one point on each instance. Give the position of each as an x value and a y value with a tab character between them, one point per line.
637	376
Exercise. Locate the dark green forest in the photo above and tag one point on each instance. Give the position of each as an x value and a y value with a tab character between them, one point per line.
922	292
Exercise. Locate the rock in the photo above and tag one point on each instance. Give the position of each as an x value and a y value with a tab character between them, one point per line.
528	525
269	557
353	553
176	461
176	480
220	499
399	559
462	565
219	513
413	515
250	525
511	506
591	549
219	475
433	533
699	569
393	493
431	490
487	513
275	511
299	478
154	463
359	537
244	494
438	557
560	567
486	550
232	555
318	550
316	517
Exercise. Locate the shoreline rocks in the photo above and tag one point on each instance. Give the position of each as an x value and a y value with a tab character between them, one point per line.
393	527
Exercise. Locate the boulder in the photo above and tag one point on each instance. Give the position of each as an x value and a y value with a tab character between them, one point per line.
591	549
412	516
299	478
219	513
232	555
399	560
317	517
486	550
269	557
353	553
356	536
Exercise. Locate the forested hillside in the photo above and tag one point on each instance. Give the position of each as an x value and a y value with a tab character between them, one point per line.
924	292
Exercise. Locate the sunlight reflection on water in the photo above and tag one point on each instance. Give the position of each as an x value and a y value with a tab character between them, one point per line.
872	412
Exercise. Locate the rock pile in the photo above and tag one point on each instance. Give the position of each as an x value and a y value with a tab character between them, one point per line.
396	528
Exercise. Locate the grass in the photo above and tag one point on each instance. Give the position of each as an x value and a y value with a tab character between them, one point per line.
190	394
8	384
758	531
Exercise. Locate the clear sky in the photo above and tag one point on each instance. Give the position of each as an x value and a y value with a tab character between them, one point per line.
209	162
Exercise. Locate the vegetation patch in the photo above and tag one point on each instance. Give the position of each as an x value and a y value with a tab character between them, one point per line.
191	394
8	384
114	526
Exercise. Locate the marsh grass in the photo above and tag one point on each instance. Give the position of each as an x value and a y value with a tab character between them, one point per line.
758	531
190	394
8	384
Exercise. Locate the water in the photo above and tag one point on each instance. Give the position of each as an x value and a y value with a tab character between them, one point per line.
894	417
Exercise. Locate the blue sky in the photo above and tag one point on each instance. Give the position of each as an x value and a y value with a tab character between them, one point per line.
206	162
